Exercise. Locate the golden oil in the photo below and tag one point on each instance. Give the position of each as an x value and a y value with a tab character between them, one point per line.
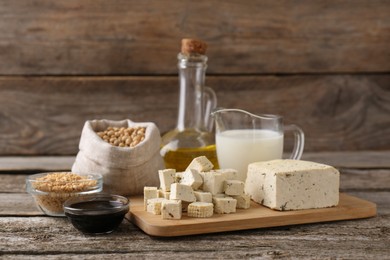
182	157
180	148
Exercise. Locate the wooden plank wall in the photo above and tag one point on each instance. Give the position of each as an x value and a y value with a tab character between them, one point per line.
324	65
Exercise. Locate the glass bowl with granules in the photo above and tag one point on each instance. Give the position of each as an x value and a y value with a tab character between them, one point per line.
50	190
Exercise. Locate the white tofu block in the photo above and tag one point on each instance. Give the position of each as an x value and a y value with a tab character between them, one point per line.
229	174
171	209
200	210
213	182
234	187
202	175
154	205
182	192
203	196
243	201
167	177
293	184
201	163
163	194
178	176
224	205
192	178
149	193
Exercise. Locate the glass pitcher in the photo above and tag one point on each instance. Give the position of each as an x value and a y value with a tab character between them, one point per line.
243	138
192	136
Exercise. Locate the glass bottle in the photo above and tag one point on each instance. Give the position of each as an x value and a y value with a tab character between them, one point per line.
192	136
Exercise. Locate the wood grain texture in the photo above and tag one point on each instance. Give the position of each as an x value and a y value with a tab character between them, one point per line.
18	204
41	236
359	179
13	183
352	159
45	115
120	37
36	163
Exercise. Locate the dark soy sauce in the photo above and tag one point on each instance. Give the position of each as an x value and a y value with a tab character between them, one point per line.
98	216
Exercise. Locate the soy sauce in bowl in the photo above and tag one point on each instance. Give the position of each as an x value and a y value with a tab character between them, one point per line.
96	214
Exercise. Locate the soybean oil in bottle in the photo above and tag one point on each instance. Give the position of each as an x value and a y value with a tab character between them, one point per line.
192	136
179	158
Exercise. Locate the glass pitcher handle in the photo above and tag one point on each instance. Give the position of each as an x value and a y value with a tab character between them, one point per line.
210	104
299	141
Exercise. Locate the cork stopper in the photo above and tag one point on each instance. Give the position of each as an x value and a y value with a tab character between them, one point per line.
192	46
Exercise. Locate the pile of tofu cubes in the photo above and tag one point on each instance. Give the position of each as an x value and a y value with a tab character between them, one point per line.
199	190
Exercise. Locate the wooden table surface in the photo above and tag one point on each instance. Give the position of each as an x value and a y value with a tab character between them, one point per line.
26	233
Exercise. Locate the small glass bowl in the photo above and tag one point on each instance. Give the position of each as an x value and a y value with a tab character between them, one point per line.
97	213
50	195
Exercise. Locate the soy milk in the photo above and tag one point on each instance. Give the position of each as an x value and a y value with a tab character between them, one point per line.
236	149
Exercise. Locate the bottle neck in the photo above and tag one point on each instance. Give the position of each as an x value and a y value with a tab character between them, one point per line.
192	71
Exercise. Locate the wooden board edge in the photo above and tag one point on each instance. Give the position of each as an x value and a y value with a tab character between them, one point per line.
366	209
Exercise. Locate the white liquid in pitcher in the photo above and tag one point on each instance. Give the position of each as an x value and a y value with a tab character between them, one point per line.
238	148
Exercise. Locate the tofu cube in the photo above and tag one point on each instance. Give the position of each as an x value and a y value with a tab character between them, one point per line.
163	194
229	174
182	192
224	205
234	187
201	163
171	209
178	176
203	196
192	178
213	182
243	201
149	193
154	205
200	210
167	177
293	184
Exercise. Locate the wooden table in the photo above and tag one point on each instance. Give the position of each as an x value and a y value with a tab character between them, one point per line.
26	233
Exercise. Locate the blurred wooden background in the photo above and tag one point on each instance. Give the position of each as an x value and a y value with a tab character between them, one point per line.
324	65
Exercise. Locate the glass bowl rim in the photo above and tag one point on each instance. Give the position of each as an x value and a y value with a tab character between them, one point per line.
90	177
125	204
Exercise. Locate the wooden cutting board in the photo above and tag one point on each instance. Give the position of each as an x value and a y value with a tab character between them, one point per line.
256	216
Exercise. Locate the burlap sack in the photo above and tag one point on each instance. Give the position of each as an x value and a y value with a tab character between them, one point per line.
125	170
